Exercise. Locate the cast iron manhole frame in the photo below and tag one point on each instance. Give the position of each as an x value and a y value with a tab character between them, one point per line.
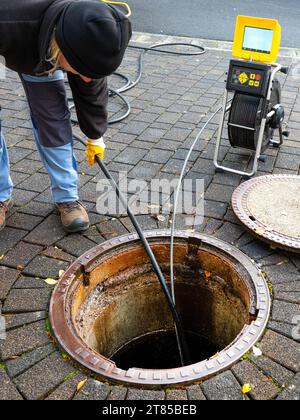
106	369
256	227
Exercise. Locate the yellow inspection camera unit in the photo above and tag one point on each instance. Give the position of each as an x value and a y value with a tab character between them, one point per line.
255	111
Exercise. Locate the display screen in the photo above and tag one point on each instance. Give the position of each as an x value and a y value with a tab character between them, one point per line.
258	40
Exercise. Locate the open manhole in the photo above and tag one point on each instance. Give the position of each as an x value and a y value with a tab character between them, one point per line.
269	207
109	313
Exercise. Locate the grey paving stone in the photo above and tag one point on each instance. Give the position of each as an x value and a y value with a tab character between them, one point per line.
147	222
17	153
21	254
93	391
177	134
25	282
8	277
24	339
231	217
284	329
48	232
145	170
23	221
282	350
292	392
144	395
39	381
27	300
131	155
22	197
218	192
18	177
135	128
212	226
27	166
223	387
229	232
158	156
45	267
292	297
68	389
9	237
257	250
37	182
17	366
37	209
58	254
111	229
117	393
285	273
194	392
262	387
244	240
8	391
215	209
174	166
204	166
284	311
286	161
289	287
75	244
19	320
280	375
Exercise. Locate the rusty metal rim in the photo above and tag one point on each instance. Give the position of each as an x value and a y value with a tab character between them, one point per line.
241	210
100	365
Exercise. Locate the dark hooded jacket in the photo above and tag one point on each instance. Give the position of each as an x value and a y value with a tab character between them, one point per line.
26	27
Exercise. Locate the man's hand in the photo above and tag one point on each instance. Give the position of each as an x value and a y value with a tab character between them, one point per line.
95	148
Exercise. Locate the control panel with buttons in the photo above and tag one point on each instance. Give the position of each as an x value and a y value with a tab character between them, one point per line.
248	77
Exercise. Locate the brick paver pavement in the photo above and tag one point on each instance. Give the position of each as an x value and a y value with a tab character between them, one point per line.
174	96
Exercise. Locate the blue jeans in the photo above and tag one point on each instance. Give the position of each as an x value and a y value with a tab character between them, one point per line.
53	135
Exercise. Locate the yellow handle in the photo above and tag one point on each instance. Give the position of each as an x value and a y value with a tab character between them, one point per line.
94	150
120	3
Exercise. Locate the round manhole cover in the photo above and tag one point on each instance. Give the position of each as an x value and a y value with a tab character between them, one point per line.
109	313
269	207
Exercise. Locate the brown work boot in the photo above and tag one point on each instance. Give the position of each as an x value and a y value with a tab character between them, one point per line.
4	208
74	217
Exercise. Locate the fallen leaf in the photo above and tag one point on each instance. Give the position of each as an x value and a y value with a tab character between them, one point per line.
20	267
260	230
51	282
246	389
257	352
1	257
207	274
81	385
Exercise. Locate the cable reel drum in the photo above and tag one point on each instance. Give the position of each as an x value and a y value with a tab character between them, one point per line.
247	111
255	111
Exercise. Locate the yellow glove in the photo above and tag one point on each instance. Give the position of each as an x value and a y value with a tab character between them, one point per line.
95	148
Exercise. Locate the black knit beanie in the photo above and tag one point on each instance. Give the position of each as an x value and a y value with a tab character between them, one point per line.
93	37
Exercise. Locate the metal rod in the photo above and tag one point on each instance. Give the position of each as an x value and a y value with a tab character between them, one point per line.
242	126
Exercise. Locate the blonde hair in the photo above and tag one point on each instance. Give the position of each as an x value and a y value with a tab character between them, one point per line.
54	55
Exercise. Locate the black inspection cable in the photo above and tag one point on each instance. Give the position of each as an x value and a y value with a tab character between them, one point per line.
182	344
180	335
